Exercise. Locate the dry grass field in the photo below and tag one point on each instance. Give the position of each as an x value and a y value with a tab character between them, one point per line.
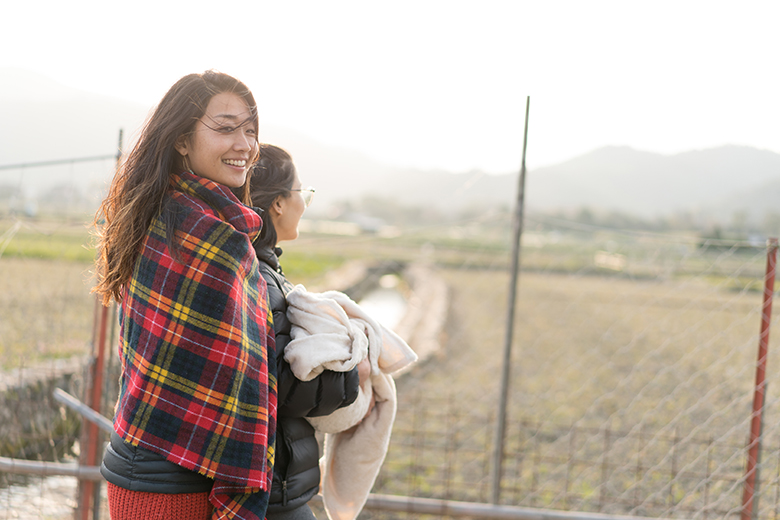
589	347
46	310
620	379
626	396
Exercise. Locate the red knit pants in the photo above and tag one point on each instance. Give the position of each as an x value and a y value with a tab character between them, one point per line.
124	504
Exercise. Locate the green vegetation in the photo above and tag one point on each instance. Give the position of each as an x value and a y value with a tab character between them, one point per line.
47	240
300	265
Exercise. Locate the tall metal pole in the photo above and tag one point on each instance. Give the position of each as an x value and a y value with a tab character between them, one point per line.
498	445
749	499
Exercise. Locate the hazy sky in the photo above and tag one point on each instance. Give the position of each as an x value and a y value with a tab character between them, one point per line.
438	83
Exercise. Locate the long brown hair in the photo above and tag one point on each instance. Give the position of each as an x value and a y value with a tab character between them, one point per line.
137	193
272	176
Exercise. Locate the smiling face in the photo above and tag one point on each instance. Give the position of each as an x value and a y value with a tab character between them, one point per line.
223	141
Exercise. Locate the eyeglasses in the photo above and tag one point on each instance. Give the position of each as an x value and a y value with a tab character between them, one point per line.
307	194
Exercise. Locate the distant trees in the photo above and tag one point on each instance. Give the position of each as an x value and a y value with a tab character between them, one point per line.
389	210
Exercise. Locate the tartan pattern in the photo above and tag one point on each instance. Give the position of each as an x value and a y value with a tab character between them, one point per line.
198	384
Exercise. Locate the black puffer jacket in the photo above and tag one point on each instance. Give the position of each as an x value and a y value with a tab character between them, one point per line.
296	468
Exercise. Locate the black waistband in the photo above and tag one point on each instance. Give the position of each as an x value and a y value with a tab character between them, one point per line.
138	469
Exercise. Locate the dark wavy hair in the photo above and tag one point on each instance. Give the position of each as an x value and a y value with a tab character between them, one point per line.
137	192
272	176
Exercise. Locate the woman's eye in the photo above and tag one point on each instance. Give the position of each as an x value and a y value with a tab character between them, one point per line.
226	129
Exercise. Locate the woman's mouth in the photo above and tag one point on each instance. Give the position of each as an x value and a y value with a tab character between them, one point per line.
235	162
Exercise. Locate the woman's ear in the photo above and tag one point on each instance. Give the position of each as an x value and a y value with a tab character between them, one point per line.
277	206
181	145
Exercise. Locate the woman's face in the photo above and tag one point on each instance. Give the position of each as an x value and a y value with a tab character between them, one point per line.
222	142
287	212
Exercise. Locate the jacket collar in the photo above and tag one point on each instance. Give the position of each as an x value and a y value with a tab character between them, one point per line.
270	256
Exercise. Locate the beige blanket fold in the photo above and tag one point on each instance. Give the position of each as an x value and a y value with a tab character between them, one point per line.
330	331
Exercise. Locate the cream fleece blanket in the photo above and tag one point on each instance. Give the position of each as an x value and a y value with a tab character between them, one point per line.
330	331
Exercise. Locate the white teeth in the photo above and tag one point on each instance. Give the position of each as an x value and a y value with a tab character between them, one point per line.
234	163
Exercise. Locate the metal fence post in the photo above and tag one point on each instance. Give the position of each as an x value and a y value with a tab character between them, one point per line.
89	492
498	447
751	471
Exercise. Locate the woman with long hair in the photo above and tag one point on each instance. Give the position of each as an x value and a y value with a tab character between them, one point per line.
194	423
274	186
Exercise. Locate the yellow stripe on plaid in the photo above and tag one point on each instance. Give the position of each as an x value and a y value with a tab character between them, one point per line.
184	313
202	393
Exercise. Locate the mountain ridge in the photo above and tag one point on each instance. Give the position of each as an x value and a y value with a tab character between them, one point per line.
650	184
46	121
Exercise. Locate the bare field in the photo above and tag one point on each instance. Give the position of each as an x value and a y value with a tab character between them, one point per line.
626	396
587	348
642	373
46	310
593	349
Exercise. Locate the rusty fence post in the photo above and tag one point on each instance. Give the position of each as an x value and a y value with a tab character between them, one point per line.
91	437
89	491
749	498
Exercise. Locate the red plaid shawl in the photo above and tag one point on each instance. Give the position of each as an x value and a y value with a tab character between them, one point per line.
196	383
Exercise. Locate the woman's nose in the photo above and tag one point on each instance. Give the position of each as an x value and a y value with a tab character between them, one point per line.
243	142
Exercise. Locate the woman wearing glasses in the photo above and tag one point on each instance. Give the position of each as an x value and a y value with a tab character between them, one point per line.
194	423
275	187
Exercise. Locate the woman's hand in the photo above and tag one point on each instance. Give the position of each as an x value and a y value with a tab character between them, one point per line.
364	373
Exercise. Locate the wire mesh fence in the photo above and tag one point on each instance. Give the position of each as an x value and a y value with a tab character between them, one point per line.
632	371
631	390
571	468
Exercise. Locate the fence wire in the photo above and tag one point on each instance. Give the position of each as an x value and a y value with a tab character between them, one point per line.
632	372
631	390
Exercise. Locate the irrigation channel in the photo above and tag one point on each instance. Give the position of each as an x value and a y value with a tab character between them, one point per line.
389	292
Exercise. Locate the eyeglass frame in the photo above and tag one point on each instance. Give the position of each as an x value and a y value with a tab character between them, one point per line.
311	194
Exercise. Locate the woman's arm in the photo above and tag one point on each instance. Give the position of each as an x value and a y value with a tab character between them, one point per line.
322	395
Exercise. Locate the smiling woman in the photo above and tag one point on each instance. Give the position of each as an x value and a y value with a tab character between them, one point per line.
195	420
220	149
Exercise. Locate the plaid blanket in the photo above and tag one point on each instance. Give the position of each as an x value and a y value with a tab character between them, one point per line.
198	384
